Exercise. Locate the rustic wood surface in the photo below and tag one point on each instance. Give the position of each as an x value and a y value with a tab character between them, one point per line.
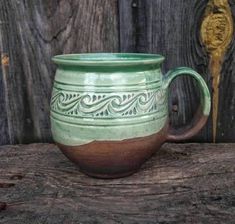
184	183
32	31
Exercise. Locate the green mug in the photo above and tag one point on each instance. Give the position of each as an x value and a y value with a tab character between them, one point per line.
109	111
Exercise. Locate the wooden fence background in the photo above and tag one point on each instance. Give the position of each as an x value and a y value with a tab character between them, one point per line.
32	31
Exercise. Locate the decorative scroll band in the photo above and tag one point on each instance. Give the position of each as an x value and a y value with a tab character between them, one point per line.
108	105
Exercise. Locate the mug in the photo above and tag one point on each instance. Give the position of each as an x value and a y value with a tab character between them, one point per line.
109	111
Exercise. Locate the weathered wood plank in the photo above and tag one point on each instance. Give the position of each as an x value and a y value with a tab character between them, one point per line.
185	183
172	28
5	138
5	128
226	112
33	32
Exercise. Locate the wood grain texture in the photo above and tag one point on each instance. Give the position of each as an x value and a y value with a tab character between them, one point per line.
31	33
226	114
184	183
172	28
4	131
216	35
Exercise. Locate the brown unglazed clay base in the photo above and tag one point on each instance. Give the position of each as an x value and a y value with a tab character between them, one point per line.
113	159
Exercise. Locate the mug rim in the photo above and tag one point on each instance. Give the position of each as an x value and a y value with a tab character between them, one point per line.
108	59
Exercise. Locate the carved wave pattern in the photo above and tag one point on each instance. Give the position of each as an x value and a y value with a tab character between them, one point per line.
105	105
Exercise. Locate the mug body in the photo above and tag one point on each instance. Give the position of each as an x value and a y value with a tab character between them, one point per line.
109	112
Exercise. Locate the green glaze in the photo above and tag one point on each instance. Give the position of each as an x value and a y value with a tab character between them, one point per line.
103	97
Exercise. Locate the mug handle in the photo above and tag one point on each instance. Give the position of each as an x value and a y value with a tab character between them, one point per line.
203	111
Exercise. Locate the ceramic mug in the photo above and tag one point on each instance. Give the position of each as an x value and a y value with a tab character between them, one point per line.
109	111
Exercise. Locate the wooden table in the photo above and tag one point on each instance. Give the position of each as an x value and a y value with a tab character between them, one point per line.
183	183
